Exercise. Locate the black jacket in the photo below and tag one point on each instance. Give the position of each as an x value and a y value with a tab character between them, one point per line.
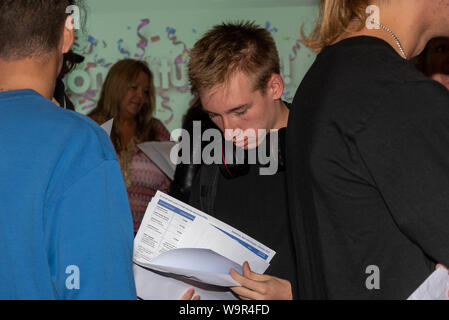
368	173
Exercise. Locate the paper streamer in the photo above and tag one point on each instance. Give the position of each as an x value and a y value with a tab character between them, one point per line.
123	50
89	96
295	49
143	43
183	57
92	43
165	100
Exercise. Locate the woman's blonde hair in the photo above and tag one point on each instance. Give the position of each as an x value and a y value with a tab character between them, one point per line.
334	17
118	81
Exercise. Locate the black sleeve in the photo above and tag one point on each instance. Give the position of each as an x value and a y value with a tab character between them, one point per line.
405	146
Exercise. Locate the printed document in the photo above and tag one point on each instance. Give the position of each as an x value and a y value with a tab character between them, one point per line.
175	238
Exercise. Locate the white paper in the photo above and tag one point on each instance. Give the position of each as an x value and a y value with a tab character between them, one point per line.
159	153
107	126
170	224
213	269
172	287
435	287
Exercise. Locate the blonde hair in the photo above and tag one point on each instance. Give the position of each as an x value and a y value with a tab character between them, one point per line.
334	17
231	47
118	80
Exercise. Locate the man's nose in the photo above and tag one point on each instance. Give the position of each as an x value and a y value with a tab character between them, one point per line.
228	123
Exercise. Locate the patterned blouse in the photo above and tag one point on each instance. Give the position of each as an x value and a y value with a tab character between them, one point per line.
143	178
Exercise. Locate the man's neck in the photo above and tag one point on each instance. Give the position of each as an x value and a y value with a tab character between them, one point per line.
282	118
35	74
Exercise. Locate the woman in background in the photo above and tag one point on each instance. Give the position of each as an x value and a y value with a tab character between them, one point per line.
128	96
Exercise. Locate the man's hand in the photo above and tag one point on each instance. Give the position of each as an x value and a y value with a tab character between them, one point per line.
260	287
189	295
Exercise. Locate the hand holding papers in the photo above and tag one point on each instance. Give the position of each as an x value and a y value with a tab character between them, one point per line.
178	239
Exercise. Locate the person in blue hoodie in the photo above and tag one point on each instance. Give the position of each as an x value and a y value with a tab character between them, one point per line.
65	223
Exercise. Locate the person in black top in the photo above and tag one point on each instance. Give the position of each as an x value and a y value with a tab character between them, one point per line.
368	153
234	70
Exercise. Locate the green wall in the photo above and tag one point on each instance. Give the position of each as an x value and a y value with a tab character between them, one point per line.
162	32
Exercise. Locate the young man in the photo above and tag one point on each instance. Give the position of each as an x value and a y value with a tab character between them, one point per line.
235	71
65	222
367	153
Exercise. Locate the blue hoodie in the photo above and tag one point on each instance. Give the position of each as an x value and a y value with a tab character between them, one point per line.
65	223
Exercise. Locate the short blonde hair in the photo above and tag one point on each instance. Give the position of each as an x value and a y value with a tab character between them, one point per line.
334	17
232	47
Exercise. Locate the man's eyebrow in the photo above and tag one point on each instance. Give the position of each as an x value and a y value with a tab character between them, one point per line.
239	108
211	113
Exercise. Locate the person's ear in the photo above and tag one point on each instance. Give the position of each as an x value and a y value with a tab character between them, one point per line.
276	86
69	35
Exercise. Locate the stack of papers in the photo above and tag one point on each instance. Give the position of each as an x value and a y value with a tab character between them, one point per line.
177	239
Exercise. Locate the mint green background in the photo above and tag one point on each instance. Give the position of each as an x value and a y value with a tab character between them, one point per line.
108	21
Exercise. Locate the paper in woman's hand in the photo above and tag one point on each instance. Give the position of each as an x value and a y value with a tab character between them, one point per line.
159	153
107	126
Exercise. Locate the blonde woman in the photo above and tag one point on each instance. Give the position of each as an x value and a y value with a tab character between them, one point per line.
128	96
368	152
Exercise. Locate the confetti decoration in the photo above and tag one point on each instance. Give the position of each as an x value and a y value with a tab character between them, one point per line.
123	50
165	101
183	57
270	28
143	43
92	43
171	34
295	49
90	96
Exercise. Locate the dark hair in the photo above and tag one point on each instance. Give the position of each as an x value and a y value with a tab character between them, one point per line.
31	27
231	47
